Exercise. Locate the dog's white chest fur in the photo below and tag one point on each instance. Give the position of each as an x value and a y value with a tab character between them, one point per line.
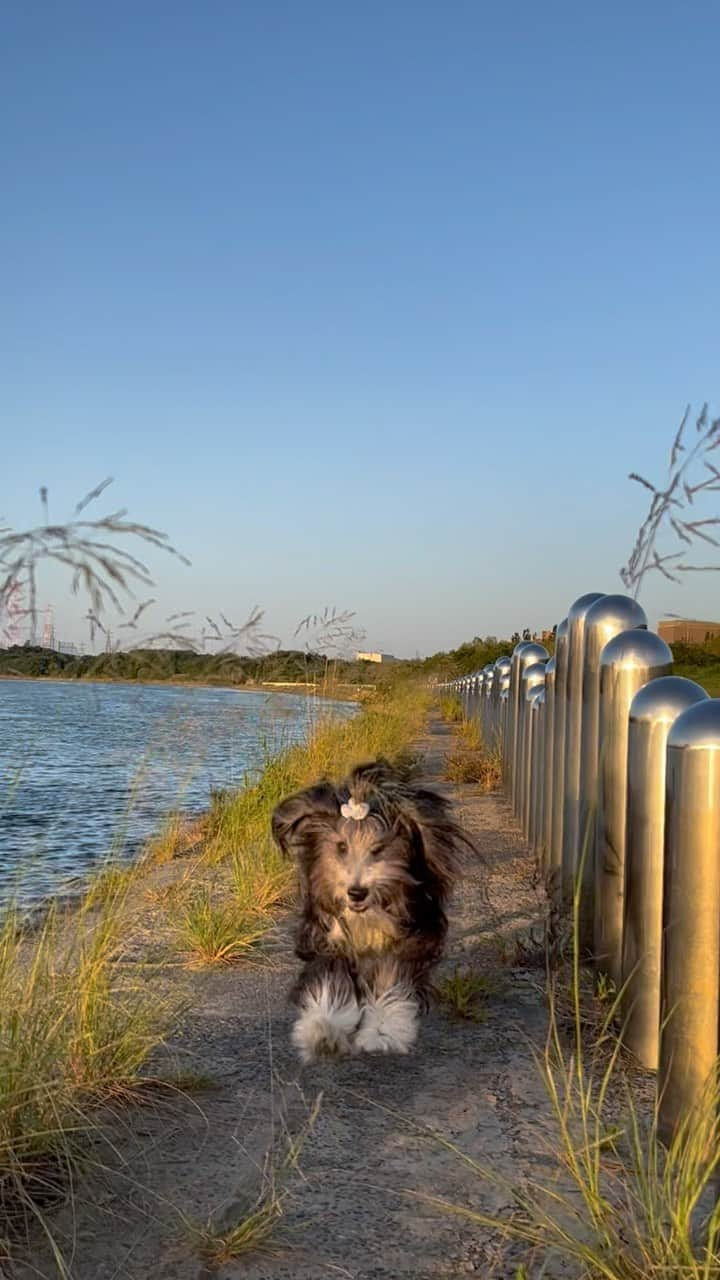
360	932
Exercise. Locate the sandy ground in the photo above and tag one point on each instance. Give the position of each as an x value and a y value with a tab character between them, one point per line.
351	1206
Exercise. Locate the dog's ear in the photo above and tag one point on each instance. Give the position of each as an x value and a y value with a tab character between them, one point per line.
437	838
317	805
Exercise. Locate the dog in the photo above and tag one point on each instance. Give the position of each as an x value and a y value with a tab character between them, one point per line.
377	858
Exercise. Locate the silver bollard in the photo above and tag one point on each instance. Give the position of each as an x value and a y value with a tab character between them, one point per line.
486	712
533	677
512	714
607	618
502	711
626	664
691	914
485	703
531	653
653	711
538	715
503	704
554	861
573	737
544	835
501	666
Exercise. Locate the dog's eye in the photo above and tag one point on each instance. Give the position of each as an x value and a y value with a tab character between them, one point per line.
377	852
341	848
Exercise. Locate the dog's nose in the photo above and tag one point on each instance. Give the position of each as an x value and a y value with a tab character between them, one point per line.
357	893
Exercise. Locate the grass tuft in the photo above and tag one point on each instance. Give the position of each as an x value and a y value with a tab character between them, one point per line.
251	1227
451	709
218	931
463	995
76	1028
477	764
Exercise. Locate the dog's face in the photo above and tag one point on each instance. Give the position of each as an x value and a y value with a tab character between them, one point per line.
359	865
400	846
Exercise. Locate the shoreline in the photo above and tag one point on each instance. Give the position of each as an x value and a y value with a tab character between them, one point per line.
306	688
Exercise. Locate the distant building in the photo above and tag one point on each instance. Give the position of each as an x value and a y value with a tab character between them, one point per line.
687	631
374	657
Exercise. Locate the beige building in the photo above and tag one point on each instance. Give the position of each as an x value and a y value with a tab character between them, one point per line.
374	657
687	631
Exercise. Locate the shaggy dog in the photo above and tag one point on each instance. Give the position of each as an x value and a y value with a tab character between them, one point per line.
377	859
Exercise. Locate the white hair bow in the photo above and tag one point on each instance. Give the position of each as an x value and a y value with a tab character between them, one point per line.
355	809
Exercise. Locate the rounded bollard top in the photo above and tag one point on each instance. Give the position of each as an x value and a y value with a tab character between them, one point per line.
662	700
532	677
502	664
561	630
636	648
488	669
550	666
579	607
620	613
504	681
699	726
532	653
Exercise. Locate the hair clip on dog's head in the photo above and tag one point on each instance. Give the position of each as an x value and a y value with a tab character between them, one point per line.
355	809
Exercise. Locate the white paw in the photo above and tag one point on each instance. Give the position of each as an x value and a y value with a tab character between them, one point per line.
326	1024
389	1024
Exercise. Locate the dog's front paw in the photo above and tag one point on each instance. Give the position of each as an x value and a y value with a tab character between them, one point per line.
327	1023
389	1024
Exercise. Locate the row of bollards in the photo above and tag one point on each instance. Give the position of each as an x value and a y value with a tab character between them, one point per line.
612	768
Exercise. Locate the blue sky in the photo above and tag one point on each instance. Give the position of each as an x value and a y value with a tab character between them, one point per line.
369	305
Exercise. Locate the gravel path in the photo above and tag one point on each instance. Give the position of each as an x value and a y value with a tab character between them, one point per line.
349	1208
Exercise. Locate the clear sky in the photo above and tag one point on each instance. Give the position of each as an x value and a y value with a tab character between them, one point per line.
372	305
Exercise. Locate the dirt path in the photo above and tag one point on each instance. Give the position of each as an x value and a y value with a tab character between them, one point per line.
347	1211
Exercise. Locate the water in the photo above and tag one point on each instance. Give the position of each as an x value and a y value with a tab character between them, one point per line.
89	771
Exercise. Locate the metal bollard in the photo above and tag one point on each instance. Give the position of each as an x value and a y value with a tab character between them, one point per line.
502	710
512	712
533	677
485	703
501	667
653	711
532	653
554	857
544	835
573	737
503	704
607	618
538	715
691	914
626	664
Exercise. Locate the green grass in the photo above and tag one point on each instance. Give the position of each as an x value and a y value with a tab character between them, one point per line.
465	993
76	1028
218	930
451	709
707	675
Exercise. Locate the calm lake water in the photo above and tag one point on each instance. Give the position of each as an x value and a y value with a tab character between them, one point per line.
88	770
